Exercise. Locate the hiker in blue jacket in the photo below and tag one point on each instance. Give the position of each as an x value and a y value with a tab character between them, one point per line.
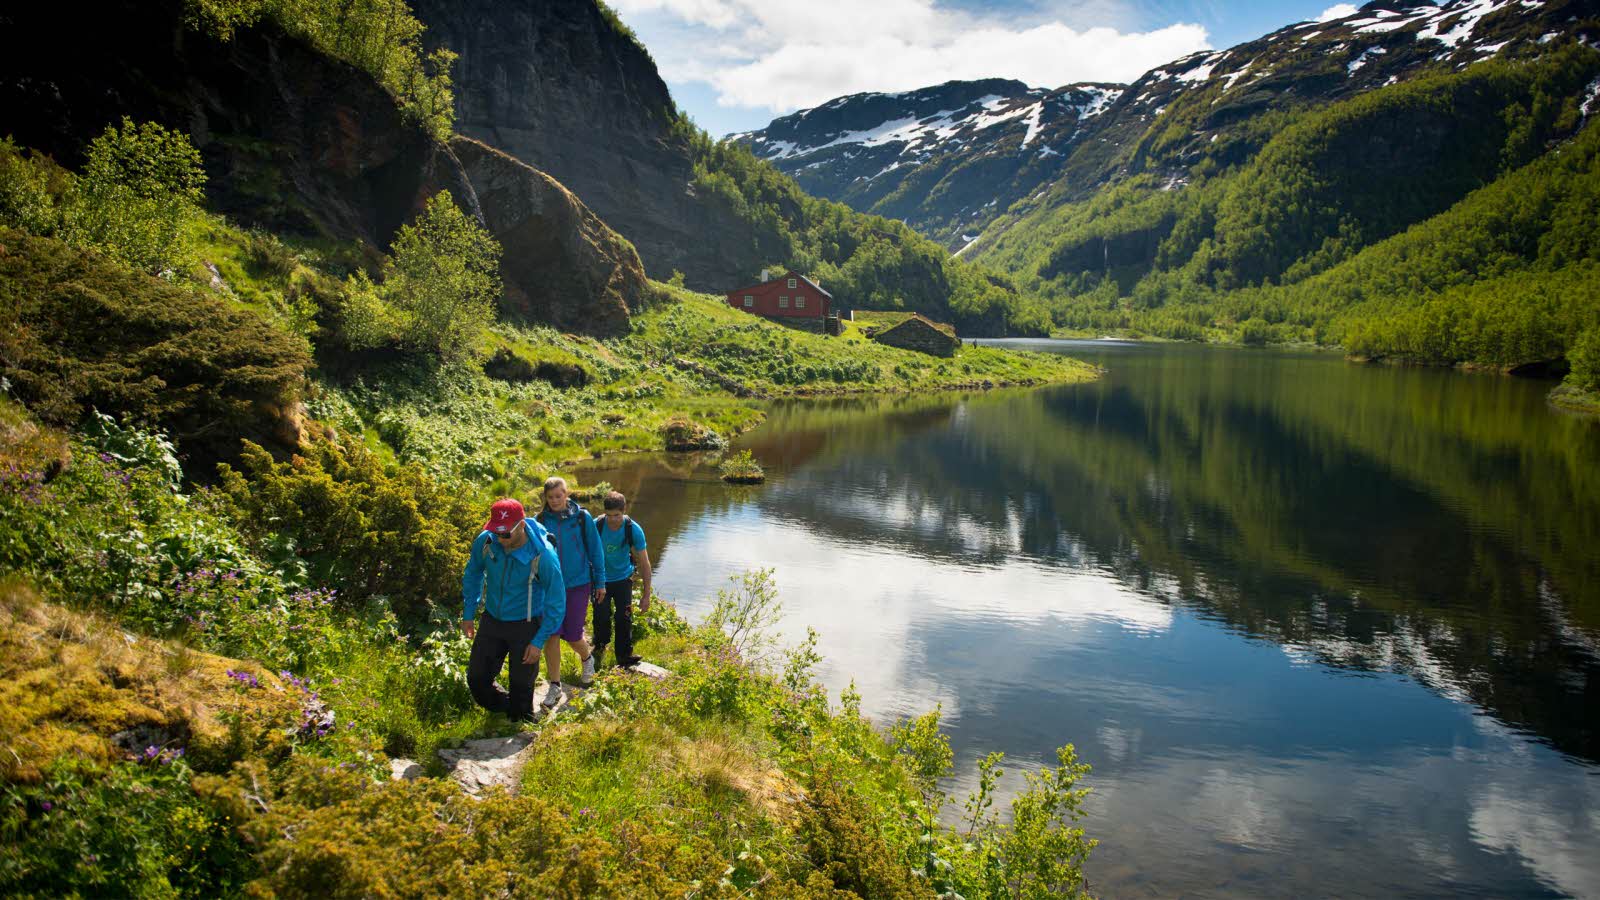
626	555
582	568
516	572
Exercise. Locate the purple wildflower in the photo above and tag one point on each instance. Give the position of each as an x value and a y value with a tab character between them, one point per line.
47	806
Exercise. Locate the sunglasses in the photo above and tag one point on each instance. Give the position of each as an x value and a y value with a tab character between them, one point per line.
506	535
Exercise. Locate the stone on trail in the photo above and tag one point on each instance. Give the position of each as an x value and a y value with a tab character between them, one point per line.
498	761
489	762
651	671
404	770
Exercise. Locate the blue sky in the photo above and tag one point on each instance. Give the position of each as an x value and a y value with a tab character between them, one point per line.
737	64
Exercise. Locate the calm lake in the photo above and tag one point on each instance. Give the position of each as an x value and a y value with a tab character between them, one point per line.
1321	629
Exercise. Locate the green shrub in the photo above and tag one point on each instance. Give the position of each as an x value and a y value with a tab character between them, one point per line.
389	533
1255	333
741	468
438	291
843	842
139	189
28	188
81	332
136	829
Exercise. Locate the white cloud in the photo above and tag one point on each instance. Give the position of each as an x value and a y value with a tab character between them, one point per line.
1340	11
790	54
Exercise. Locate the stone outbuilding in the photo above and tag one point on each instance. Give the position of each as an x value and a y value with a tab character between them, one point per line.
921	334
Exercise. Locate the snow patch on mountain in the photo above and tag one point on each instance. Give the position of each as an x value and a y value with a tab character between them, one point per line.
1032	119
1101	100
1361	60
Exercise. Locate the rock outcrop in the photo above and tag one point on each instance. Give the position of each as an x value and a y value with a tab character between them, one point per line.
558	85
296	141
561	264
292	140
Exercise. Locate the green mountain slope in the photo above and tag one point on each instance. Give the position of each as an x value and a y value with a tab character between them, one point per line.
1398	198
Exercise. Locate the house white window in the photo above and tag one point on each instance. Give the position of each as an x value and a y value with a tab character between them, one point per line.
800	301
792	284
783	302
749	301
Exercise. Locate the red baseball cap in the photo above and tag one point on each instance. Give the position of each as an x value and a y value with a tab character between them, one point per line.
504	515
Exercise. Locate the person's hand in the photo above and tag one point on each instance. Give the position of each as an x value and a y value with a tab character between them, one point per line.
644	601
530	655
599	594
469	628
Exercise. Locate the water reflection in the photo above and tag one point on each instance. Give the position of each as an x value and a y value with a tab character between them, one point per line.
1269	596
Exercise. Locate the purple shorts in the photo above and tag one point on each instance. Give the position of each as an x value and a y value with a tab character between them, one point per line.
577	614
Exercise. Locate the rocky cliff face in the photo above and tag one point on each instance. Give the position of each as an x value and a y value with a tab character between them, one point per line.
558	86
293	140
561	264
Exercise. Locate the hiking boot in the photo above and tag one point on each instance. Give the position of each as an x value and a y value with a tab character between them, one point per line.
552	695
631	661
587	678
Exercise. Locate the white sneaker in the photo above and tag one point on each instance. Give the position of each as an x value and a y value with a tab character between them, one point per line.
587	678
552	695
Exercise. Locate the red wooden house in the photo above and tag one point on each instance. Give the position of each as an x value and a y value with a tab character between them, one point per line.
788	296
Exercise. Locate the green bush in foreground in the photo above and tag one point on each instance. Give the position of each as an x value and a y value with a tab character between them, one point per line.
379	532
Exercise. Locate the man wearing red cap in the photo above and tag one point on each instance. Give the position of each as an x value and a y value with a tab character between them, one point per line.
516	572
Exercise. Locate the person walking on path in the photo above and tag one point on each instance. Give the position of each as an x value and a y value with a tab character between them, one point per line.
626	554
582	569
517	574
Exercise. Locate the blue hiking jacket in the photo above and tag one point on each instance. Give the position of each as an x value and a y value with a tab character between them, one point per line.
577	543
619	556
502	579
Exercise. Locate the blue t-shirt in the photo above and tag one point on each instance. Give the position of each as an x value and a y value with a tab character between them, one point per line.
619	556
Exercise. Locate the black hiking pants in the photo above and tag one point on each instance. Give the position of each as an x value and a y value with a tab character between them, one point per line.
495	642
616	609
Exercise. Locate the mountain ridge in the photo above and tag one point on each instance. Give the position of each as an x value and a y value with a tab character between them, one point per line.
1026	143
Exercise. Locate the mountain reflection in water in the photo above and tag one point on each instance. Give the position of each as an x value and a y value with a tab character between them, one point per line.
1319	627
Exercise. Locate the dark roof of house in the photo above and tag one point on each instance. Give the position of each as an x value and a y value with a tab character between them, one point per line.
787	273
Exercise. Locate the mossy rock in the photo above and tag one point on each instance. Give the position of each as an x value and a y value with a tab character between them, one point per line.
683	434
72	683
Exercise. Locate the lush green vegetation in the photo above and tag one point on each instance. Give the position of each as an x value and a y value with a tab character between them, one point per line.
741	468
79	331
140	189
138	757
380	37
1446	219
